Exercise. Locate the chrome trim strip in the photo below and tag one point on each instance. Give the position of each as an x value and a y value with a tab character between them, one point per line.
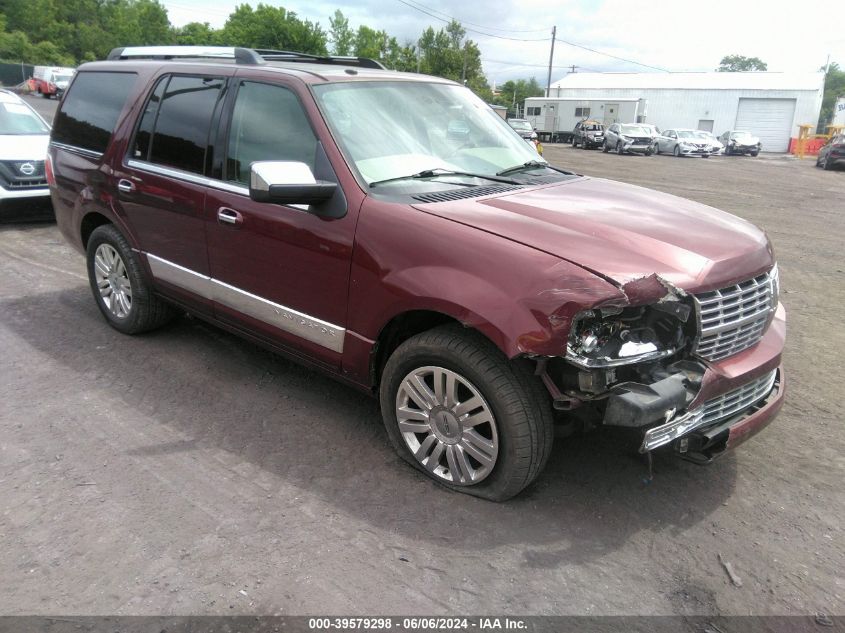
282	317
180	276
186	176
287	319
88	153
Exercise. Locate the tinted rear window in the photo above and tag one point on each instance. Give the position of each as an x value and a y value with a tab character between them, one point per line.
180	138
89	112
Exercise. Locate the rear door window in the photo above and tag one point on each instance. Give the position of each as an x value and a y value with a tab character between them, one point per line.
91	108
179	116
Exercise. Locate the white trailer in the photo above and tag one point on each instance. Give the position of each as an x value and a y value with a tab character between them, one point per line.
555	117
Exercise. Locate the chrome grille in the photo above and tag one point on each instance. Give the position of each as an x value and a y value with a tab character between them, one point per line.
734	318
739	399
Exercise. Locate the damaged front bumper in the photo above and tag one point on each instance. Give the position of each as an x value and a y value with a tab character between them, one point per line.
705	414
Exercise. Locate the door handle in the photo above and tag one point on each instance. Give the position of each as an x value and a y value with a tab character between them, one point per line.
125	186
225	215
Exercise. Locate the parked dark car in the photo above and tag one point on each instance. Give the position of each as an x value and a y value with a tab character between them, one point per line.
326	208
740	142
832	153
588	134
626	138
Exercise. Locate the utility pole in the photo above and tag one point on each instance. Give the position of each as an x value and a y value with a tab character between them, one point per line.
572	68
551	61
464	70
419	55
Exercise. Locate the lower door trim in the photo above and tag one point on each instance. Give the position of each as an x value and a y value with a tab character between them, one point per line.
286	319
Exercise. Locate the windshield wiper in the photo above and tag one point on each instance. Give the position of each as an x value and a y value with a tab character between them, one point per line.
439	171
531	164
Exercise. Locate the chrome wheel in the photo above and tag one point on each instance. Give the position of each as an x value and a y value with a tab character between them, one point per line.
447	424
112	281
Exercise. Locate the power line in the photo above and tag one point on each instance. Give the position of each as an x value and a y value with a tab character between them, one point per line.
500	37
419	6
592	50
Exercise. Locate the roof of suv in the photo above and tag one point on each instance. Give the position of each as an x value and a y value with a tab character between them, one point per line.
308	68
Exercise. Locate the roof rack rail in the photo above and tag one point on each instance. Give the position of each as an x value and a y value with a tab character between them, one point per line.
247	56
240	55
336	60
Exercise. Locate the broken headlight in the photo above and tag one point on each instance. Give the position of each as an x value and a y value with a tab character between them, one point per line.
610	337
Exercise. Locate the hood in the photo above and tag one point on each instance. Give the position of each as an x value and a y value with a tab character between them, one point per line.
622	232
747	140
24	147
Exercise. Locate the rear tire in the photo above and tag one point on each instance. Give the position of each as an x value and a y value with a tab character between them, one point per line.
117	281
511	410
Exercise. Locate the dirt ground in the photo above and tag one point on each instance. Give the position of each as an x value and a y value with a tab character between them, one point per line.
189	472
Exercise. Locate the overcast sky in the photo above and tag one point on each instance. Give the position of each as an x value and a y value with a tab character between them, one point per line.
669	34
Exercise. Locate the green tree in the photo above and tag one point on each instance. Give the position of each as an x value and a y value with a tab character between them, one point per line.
445	53
512	94
194	34
370	43
272	27
834	87
739	63
340	35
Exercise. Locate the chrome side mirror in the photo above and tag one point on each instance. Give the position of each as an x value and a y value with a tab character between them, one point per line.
287	182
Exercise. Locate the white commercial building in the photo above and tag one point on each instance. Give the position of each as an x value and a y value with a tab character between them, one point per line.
770	105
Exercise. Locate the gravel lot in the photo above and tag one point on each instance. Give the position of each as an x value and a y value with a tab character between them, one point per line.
189	472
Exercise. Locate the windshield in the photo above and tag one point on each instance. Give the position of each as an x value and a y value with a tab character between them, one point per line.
524	126
634	130
63	77
17	118
393	129
686	134
740	134
594	127
701	134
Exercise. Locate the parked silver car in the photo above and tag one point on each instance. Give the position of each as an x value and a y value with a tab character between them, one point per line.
741	142
628	138
682	142
708	137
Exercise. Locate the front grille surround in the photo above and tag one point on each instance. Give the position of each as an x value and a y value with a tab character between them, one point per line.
734	318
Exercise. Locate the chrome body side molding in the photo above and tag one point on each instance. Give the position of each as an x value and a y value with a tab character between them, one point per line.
282	317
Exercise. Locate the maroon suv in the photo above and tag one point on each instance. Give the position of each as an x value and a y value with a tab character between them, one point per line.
392	230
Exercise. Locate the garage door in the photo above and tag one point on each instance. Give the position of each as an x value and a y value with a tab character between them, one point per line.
769	119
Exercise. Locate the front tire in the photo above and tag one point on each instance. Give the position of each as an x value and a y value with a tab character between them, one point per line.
459	411
605	148
619	149
120	289
677	151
